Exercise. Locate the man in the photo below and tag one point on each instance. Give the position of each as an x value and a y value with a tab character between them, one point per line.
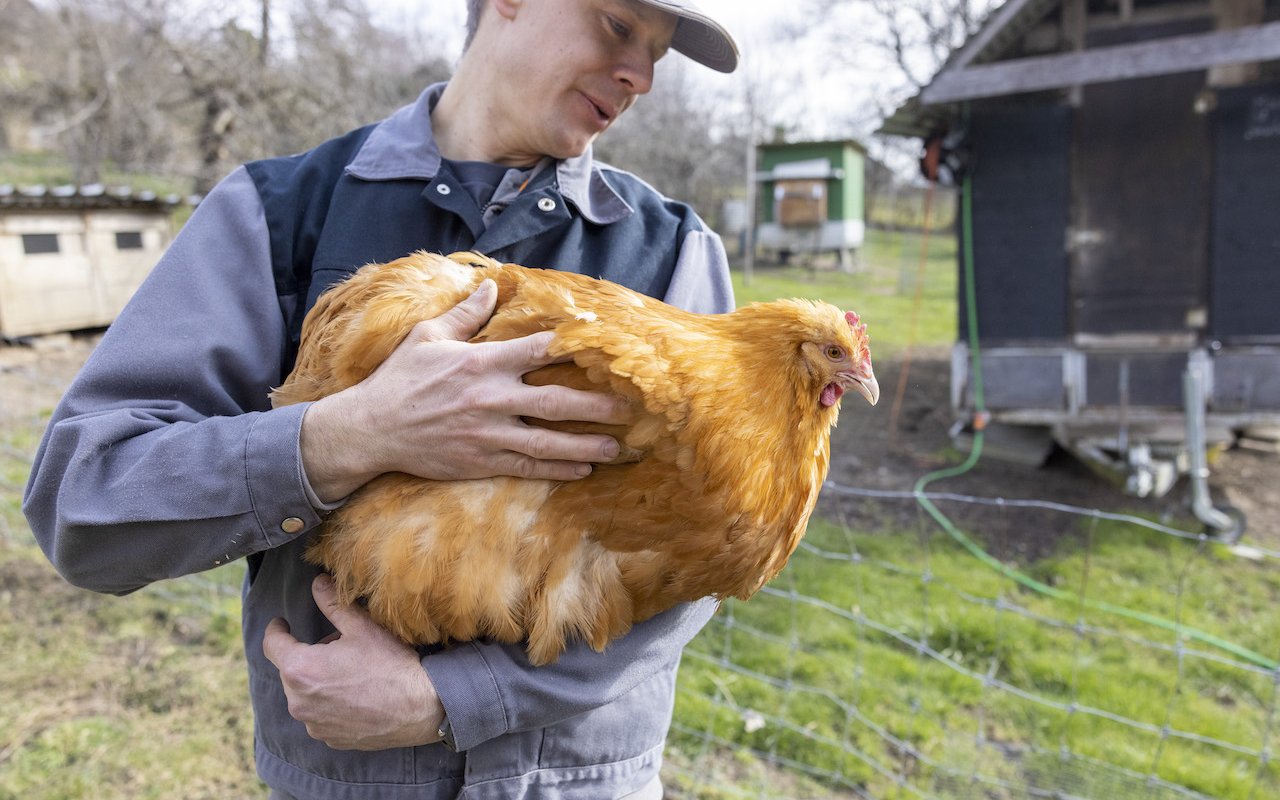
164	457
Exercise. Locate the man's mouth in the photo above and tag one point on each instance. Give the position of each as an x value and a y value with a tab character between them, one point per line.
604	112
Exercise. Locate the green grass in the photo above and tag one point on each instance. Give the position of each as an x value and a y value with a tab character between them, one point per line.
144	696
882	290
48	169
842	676
138	697
26	169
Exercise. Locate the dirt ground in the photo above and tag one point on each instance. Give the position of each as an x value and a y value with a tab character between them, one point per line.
871	453
34	374
868	453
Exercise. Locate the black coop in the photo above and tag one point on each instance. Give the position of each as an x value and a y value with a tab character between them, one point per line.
1121	160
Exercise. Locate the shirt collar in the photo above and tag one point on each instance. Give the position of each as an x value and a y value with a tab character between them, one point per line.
403	147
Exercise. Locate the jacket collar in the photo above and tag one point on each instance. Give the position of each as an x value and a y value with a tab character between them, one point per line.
403	147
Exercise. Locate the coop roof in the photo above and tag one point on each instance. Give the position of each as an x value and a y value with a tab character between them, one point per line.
853	143
92	196
981	68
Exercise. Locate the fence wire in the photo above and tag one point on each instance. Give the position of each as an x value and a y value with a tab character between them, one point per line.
892	665
888	708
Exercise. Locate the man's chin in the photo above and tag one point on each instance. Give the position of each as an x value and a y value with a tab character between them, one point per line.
573	152
575	147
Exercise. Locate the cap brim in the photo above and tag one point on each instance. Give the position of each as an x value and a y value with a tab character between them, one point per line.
699	37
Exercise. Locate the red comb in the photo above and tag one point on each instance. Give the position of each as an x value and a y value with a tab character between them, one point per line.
859	327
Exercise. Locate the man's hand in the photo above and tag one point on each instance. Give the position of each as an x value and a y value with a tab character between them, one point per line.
359	689
445	409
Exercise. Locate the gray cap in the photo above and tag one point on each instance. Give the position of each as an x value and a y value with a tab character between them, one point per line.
699	37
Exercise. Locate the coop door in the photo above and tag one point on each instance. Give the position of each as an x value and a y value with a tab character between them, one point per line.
1246	236
800	203
1138	239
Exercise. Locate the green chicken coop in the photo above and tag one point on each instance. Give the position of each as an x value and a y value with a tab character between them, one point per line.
811	199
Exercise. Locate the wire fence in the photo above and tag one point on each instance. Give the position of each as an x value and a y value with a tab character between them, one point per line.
895	664
953	680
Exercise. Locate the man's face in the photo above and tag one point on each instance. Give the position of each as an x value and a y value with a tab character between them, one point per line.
571	68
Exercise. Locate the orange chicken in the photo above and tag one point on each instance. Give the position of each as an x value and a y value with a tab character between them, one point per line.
726	447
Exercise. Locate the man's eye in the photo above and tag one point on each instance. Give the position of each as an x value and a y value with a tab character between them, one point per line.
619	28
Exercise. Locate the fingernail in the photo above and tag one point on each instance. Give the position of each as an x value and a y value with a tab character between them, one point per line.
582	470
610	449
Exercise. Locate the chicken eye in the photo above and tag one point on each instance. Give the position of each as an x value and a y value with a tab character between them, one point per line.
834	353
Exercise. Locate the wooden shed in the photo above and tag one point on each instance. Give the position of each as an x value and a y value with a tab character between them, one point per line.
71	257
1123	164
811	198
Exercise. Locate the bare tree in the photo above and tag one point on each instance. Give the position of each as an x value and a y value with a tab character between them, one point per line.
921	34
905	43
192	87
75	72
219	87
675	138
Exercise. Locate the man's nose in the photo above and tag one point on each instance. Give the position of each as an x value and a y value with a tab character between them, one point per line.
635	71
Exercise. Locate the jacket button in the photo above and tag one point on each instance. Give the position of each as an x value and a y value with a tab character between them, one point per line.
292	525
547	204
442	188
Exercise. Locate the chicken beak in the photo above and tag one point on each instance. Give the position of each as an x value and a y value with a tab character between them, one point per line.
864	384
868	388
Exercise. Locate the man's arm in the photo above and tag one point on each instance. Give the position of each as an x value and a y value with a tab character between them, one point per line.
490	689
161	458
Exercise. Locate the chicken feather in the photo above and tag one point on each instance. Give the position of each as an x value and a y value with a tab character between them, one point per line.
722	458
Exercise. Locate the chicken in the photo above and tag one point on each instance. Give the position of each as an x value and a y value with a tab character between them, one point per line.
721	460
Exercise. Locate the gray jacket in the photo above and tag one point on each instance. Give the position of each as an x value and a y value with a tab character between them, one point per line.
164	457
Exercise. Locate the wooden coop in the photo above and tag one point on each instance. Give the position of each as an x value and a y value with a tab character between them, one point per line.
811	199
1123	163
71	257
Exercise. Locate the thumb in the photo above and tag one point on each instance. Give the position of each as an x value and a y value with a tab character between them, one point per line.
465	319
277	641
347	618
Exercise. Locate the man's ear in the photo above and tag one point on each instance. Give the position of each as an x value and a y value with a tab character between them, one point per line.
507	8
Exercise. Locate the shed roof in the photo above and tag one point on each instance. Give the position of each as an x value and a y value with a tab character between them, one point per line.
854	143
976	70
92	196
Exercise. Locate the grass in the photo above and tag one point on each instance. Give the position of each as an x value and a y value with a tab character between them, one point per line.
144	696
28	169
830	684
883	290
47	169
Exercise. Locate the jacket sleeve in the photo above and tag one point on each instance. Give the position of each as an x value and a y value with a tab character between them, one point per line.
163	457
701	281
490	689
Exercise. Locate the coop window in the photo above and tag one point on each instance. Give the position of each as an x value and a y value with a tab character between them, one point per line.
37	243
128	240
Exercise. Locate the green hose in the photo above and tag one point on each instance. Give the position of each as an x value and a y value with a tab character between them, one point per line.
979	405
